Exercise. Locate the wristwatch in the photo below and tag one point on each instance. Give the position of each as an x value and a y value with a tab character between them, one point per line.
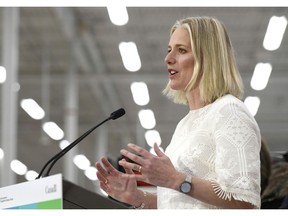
186	185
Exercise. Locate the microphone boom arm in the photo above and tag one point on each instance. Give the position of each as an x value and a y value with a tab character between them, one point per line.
54	159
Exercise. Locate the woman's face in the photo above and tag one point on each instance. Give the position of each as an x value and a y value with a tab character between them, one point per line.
180	59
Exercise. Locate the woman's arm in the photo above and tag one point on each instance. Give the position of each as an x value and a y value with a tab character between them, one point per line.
158	170
203	190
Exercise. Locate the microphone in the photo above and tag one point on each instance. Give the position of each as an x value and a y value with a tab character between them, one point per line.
117	114
114	115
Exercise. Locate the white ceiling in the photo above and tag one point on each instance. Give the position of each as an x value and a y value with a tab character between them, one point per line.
49	37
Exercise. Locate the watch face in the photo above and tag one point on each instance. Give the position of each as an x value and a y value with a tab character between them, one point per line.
185	187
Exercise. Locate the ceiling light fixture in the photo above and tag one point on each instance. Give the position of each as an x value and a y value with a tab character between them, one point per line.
18	167
130	56
140	93
81	161
2	74
261	76
147	119
32	108
275	31
153	136
1	153
53	130
90	173
252	104
117	12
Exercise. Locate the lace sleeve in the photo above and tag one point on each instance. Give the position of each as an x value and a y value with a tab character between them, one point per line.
237	159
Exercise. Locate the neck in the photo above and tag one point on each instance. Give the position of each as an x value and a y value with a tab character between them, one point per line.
194	100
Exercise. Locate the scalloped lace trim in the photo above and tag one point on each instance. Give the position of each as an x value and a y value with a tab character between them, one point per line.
229	195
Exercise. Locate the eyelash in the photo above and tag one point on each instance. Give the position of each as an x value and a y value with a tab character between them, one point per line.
181	50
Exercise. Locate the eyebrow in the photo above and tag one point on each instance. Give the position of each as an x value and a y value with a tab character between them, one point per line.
179	45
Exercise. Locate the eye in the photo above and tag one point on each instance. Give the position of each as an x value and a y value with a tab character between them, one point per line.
169	50
182	51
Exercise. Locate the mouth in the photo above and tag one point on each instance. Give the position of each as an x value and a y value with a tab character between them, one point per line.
172	72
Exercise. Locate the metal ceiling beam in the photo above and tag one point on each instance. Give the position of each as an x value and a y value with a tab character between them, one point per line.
101	69
67	19
102	85
87	48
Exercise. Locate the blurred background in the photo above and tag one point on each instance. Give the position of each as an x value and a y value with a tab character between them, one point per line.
64	70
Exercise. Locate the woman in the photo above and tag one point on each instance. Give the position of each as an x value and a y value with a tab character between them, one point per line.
213	158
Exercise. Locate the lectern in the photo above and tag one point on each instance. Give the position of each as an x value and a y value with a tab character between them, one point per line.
53	192
76	197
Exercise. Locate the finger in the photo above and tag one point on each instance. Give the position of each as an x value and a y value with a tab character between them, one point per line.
135	158
128	171
141	178
139	150
101	177
139	154
108	166
104	187
135	177
101	169
158	151
102	181
129	166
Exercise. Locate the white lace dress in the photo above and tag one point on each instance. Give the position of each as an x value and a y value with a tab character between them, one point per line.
221	143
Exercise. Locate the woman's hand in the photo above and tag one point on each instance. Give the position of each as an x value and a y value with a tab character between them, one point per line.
120	186
157	170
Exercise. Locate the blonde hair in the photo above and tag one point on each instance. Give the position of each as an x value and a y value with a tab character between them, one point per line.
215	69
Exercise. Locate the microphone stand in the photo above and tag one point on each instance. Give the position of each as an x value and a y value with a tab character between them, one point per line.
54	159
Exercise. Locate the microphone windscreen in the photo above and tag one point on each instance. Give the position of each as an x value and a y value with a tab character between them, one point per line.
117	114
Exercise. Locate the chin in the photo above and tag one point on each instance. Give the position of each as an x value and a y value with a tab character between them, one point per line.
175	87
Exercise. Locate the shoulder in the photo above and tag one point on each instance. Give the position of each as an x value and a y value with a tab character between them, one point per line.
228	99
232	105
234	110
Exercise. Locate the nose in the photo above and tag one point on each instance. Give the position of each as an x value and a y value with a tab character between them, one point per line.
169	59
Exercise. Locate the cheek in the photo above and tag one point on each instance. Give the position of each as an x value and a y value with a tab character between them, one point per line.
188	67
